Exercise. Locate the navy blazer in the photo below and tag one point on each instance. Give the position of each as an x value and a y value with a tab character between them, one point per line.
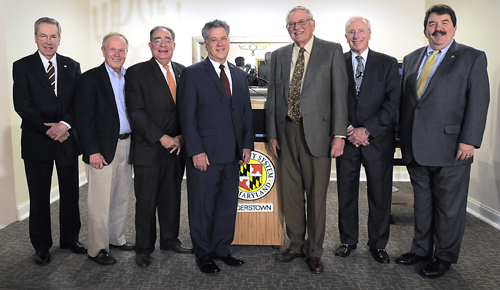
376	107
452	108
36	103
210	123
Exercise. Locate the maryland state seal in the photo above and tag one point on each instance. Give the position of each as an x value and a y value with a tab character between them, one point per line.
257	177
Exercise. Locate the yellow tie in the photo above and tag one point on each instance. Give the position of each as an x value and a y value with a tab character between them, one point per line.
424	75
171	82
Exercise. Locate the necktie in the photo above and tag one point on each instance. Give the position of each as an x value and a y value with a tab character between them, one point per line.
51	74
171	82
360	69
225	81
293	109
424	75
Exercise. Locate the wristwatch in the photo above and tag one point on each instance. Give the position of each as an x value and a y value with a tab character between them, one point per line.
366	132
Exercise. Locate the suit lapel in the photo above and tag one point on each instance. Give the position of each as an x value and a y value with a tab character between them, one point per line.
315	60
108	92
448	60
235	78
177	71
158	74
368	77
213	75
39	70
286	63
413	69
350	75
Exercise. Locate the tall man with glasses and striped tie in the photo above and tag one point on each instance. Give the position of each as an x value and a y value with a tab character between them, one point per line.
44	91
150	98
373	103
216	122
444	102
306	119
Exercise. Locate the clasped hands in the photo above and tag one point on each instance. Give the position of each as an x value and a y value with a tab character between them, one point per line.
357	136
172	143
57	132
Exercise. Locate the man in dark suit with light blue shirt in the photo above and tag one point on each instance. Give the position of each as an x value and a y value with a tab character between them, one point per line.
216	122
373	102
445	98
44	91
306	121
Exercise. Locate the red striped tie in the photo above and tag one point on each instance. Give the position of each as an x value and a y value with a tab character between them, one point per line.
51	74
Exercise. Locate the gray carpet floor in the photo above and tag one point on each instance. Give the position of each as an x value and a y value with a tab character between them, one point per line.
478	266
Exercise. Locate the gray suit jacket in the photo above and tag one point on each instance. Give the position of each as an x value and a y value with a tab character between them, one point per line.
323	99
451	110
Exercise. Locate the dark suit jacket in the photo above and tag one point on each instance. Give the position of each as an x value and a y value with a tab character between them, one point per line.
452	109
323	100
210	122
264	72
36	103
152	112
97	117
377	104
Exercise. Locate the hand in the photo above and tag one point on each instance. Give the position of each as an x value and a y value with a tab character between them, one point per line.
200	161
180	140
274	145
337	147
464	151
64	137
97	161
170	143
247	153
56	130
358	136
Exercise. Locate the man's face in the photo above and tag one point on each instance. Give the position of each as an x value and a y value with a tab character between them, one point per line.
115	52
439	30
162	47
217	44
300	34
47	39
358	35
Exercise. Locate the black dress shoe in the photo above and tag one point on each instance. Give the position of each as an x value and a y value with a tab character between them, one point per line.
231	260
180	249
435	269
287	256
380	255
42	257
207	264
344	250
315	265
103	258
125	247
75	247
143	260
411	259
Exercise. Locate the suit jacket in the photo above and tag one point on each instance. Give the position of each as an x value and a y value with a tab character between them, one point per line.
451	110
152	112
97	117
264	71
36	103
210	122
323	99
376	107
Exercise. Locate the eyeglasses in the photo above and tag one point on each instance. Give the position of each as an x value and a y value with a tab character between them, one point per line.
359	32
44	37
159	41
301	22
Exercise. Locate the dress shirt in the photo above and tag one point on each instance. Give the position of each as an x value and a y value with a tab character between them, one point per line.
118	84
226	69
295	56
364	55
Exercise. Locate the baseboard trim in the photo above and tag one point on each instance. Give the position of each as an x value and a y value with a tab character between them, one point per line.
23	211
484	213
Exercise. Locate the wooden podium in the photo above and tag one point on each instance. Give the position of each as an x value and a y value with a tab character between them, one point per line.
259	220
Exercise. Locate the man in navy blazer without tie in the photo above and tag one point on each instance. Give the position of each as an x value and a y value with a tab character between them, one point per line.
47	113
444	102
216	122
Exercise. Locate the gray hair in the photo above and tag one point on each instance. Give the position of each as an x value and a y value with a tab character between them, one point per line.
267	57
161	27
48	21
214	24
299	8
358	17
113	34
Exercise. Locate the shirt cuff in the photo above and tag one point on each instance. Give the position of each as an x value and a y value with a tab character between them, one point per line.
67	125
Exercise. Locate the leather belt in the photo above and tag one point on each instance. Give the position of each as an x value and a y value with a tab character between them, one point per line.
123	136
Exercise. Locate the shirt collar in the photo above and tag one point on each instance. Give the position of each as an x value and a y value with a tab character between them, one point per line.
364	55
442	51
45	61
217	65
307	47
113	72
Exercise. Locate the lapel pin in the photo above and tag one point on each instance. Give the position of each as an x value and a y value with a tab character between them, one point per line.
65	66
452	56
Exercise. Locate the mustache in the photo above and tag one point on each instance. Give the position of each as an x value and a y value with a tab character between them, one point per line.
439	31
298	31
